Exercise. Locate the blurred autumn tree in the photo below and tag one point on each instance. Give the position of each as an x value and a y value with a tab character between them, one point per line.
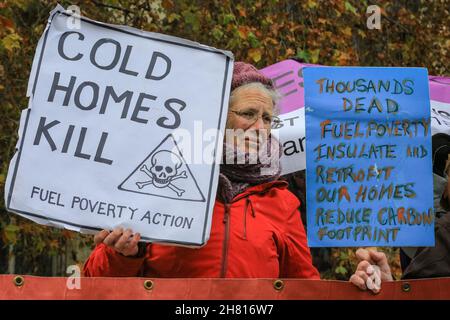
331	32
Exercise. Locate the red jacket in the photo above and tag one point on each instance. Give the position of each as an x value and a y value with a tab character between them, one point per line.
259	235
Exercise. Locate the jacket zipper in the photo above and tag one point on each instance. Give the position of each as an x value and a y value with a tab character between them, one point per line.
226	239
247	202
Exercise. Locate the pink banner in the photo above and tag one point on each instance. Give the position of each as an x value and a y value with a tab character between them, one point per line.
439	88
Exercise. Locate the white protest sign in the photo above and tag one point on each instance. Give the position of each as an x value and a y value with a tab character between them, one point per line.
440	117
98	143
290	132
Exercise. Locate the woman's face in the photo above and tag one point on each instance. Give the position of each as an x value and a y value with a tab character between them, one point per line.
251	110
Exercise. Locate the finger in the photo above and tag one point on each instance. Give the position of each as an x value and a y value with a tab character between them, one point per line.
118	230
382	261
100	236
364	276
132	246
111	239
378	257
122	242
358	281
362	266
134	240
364	255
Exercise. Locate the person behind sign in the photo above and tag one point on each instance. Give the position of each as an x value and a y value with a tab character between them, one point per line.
256	228
426	262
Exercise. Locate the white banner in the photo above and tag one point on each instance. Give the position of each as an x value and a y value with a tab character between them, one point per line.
291	133
440	117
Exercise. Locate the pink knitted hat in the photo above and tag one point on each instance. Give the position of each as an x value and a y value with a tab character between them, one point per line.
245	73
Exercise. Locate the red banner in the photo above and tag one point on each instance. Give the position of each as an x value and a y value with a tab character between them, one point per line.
14	287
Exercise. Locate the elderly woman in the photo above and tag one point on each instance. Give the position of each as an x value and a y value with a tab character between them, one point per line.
256	228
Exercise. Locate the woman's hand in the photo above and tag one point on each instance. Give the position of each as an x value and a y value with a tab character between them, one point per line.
122	241
372	270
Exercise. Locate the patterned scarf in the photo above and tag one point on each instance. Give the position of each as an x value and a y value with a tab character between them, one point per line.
240	170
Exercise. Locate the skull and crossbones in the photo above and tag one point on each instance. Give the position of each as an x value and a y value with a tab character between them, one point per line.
164	170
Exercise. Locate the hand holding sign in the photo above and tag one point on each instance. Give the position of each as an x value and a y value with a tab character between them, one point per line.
372	269
124	242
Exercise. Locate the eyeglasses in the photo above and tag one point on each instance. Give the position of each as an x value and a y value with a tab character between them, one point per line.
252	116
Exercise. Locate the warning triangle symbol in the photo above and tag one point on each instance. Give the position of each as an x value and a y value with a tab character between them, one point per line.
164	173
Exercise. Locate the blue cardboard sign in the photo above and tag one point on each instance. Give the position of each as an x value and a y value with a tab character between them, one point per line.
368	157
